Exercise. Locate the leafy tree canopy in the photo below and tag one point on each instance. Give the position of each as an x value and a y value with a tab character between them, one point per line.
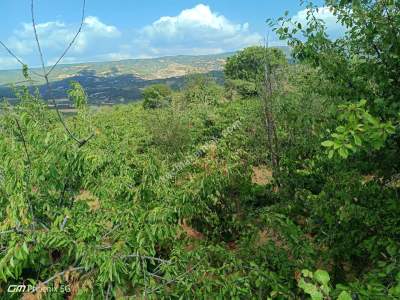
156	96
249	64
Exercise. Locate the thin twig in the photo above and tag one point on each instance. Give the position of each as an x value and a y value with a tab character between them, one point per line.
73	40
156	276
175	279
46	77
147	257
60	274
64	222
20	230
108	290
110	231
37	39
144	279
29	167
23	141
9	231
17	59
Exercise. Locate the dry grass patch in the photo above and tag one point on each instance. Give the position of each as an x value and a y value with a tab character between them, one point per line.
262	175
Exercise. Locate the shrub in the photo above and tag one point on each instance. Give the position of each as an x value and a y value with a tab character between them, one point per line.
157	96
248	64
200	89
242	87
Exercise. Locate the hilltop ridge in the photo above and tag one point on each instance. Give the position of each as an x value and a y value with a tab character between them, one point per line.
121	81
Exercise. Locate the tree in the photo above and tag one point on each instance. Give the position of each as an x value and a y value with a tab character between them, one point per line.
157	96
200	89
259	67
248	64
365	62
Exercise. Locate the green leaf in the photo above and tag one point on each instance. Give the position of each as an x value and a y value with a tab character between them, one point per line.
395	291
307	287
343	152
25	247
362	103
322	277
327	144
307	273
357	140
341	129
310	289
344	296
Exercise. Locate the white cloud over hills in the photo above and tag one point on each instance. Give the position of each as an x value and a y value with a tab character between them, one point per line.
197	30
54	37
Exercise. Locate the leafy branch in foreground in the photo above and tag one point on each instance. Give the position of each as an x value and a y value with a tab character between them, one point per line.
360	131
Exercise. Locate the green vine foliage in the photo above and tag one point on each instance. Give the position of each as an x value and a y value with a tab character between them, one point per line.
361	131
100	220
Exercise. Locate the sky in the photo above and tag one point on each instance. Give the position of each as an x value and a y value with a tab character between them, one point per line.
121	29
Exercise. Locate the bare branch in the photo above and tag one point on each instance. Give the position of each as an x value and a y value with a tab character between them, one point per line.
147	257
144	279
60	274
46	77
83	142
73	40
175	279
64	222
16	58
23	230
110	231
8	231
37	39
11	53
23	141
29	167
268	93
108	291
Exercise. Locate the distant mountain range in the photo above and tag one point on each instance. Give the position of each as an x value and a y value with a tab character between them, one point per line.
120	81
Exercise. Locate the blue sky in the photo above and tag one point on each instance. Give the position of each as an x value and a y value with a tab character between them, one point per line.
122	29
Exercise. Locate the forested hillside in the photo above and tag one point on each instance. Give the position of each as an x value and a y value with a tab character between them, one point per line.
116	81
283	183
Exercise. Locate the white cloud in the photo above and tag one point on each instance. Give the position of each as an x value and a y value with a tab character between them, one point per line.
54	37
197	30
7	62
334	28
94	30
194	31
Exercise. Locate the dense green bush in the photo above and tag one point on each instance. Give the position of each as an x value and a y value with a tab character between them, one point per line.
249	64
244	88
157	96
200	89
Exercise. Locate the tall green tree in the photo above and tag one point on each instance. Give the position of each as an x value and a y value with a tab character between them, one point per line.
157	96
365	62
248	64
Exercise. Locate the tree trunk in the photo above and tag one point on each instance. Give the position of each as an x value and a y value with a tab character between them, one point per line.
270	121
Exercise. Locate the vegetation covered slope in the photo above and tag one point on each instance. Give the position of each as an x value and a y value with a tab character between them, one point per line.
176	197
120	81
148	69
